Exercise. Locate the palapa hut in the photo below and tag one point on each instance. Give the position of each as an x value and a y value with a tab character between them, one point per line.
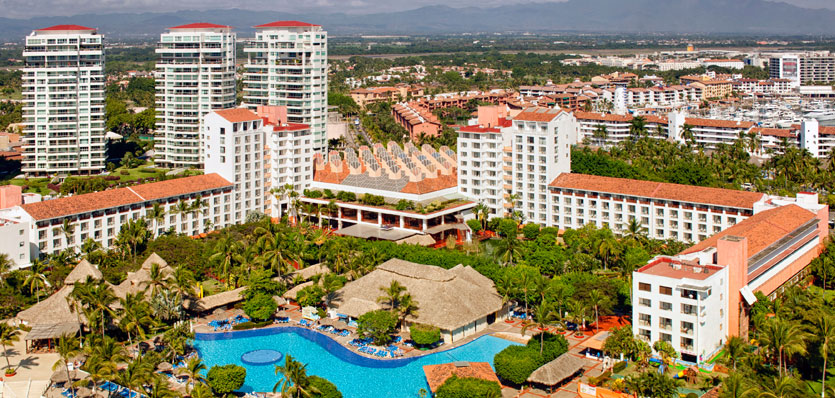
140	280
557	371
219	300
54	317
460	301
292	293
436	375
593	347
311	271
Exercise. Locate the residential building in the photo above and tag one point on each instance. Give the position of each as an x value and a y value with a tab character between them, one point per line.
416	119
234	143
287	65
207	202
608	129
63	95
818	66
666	211
729	63
289	160
15	237
700	297
372	95
195	74
536	148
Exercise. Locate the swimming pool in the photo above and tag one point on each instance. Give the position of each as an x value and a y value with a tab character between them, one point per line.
356	376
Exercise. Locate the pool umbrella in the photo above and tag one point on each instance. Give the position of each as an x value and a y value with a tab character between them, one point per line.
165	367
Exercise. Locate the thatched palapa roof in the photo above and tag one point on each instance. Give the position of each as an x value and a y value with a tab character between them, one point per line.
291	294
56	309
53	331
554	372
311	271
138	281
447	298
81	272
209	303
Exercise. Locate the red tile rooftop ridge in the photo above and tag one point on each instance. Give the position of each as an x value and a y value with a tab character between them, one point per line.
199	25
236	115
84	203
285	24
672	268
658	190
67	27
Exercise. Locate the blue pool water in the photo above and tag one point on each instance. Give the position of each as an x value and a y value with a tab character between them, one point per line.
356	376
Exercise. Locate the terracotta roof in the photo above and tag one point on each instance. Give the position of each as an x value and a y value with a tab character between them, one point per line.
180	186
285	24
826	129
729	124
67	27
658	190
608	117
236	115
77	204
761	229
773	132
479	129
291	127
538	114
436	375
199	25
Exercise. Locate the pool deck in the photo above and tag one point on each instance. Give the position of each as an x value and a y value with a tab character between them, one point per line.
502	329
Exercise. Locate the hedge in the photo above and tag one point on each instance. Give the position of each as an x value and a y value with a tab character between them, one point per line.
325	387
554	346
225	379
468	387
516	363
424	334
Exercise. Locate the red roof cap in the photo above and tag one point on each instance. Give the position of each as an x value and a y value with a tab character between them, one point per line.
199	25
285	24
236	115
67	27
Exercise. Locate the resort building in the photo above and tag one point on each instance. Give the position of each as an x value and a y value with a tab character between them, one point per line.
373	95
609	129
418	120
192	205
535	148
287	65
459	301
698	298
63	96
234	148
390	193
195	74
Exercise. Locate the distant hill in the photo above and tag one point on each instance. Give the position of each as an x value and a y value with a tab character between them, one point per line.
632	16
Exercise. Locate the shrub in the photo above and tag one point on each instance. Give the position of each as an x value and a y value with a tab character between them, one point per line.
404	204
619	367
530	231
378	325
251	325
373	200
691	395
553	346
124	172
225	379
468	387
260	306
312	193
474	225
507	227
325	387
516	363
328	194
346	196
424	334
596	381
310	295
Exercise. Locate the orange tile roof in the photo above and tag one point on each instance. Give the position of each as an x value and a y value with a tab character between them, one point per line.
538	114
826	130
773	132
609	117
730	124
110	198
658	190
762	229
236	115
436	375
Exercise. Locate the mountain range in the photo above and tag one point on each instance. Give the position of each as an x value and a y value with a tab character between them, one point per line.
582	16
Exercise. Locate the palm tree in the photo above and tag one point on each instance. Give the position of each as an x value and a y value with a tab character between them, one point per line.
68	229
577	311
89	246
5	264
635	232
182	208
508	249
601	134
183	281
408	307
156	215
543	314
160	388
158	278
735	386
824	331
68	349
194	369
481	212
608	247
781	387
637	128
783	338
8	335
135	316
392	295
525	281
735	350
97	371
133	234
597	299
35	279
227	253
294	380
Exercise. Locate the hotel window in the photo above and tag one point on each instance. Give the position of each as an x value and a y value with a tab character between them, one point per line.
644	287
645	302
665	290
717	219
644	319
665	306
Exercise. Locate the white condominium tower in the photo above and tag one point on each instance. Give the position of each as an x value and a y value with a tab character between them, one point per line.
195	74
63	94
287	65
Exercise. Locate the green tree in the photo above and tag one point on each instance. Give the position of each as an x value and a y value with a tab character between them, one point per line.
516	363
260	307
8	335
424	334
294	379
67	349
467	387
226	379
782	338
378	325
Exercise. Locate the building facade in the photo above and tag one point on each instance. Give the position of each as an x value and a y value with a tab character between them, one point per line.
287	65
63	95
234	148
195	74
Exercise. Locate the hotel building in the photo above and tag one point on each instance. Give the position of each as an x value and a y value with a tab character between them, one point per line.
195	74
287	65
63	95
700	297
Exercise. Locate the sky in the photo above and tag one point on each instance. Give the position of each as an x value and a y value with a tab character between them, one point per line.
31	8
